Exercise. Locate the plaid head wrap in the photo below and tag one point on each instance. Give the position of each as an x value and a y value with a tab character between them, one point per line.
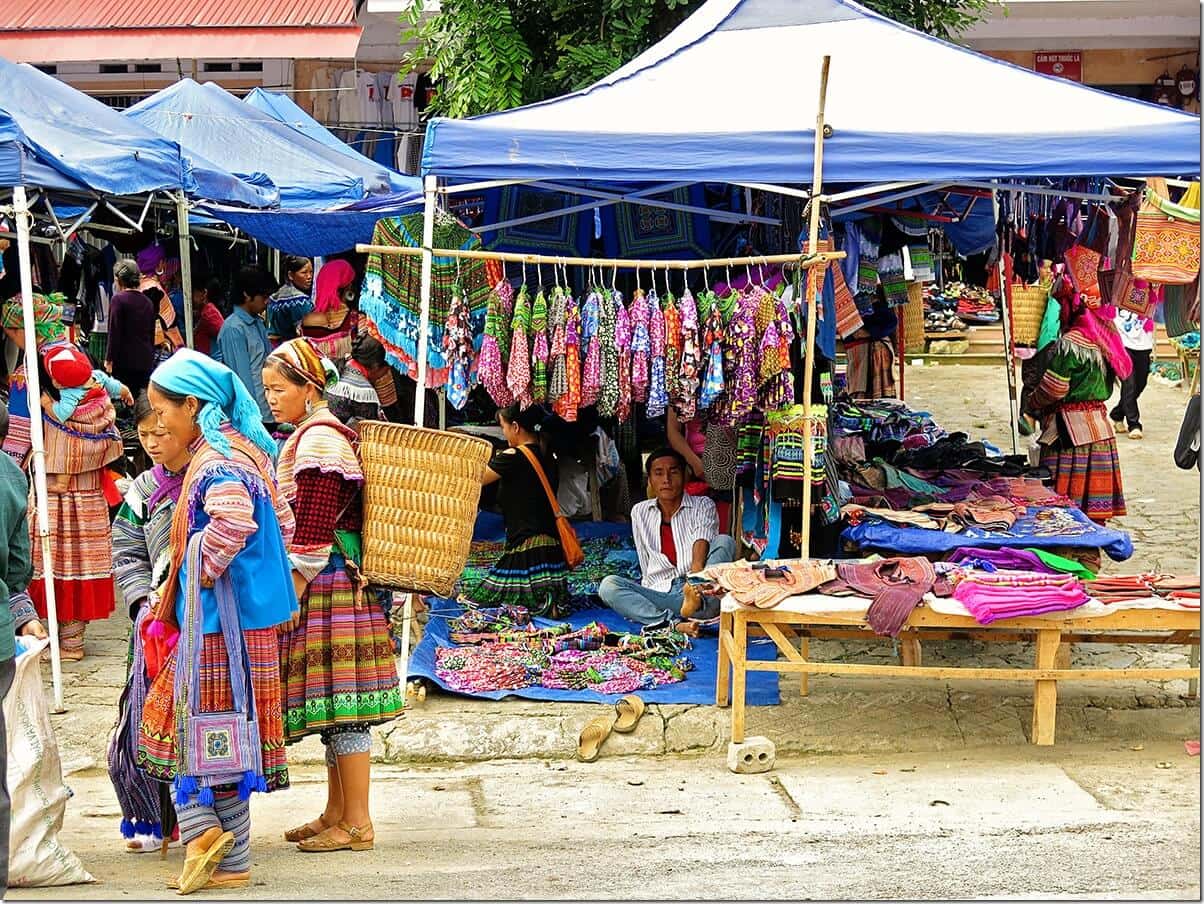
47	316
302	358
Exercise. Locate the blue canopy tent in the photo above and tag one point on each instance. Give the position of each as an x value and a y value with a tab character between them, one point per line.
210	121
675	115
283	109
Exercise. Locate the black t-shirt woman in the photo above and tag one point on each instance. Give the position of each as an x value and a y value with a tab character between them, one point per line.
531	571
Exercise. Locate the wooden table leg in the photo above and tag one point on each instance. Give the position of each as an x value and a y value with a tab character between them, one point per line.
1193	659
723	681
1045	693
910	653
740	656
804	647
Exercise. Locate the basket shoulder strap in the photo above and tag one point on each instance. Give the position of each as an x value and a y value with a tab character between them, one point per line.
543	479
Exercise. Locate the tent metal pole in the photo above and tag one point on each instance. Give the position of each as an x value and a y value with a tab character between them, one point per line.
896	196
777	189
645	197
1043	191
1005	318
185	265
868	190
430	184
815	288
37	439
804	260
481	186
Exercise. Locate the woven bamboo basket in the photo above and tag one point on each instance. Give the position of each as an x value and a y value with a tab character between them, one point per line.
421	490
913	320
1028	310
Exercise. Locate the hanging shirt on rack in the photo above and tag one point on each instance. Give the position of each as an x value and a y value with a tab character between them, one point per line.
348	105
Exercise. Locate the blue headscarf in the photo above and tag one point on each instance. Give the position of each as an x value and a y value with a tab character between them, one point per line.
225	397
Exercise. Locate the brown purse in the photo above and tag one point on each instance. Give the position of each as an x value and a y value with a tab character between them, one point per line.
573	554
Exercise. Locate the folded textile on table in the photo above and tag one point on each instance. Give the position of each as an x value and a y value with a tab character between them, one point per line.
987	513
760	587
999	559
895	585
991	597
1119	588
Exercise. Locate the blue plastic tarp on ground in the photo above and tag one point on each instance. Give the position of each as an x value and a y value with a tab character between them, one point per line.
93	145
874	533
208	120
677	112
698	687
283	109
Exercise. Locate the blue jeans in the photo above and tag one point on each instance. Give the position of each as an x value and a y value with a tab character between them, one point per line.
637	603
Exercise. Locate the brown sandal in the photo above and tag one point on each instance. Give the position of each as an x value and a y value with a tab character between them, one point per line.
596	731
362	838
301	833
233	882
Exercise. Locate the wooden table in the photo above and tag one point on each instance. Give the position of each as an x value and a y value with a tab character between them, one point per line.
786	627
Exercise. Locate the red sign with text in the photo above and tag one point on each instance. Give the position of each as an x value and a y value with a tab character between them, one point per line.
1062	63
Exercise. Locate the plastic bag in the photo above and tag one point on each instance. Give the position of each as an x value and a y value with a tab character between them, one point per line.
35	785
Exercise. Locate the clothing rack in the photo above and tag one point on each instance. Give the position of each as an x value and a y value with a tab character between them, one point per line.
800	260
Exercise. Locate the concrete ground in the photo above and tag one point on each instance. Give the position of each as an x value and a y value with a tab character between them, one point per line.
482	798
1100	820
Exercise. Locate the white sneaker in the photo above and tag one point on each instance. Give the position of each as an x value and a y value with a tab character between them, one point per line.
1135	433
1120	426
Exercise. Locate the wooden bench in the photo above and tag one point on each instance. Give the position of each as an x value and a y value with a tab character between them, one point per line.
791	632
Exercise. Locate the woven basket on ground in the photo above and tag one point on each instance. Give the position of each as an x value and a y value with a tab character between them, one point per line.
421	490
1028	310
913	320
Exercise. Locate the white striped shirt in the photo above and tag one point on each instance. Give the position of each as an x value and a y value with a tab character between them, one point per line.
697	519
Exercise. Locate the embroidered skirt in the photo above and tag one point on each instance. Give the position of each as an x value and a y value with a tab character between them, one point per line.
531	574
1090	476
337	667
81	551
157	733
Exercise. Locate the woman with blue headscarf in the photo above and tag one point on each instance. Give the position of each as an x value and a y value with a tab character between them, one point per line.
229	537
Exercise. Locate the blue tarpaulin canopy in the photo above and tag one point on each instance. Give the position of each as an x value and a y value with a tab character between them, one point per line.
282	108
682	111
94	146
210	121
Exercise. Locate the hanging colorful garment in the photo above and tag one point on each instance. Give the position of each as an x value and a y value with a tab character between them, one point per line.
390	297
691	359
457	349
673	348
518	368
572	359
869	236
623	349
712	383
777	384
491	369
558	381
539	348
591	341
638	315
741	360
894	283
658	398
848	317
608	397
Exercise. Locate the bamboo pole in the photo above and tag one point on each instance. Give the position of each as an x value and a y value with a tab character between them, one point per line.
801	260
815	291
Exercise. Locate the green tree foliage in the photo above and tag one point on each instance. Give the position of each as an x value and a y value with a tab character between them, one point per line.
497	54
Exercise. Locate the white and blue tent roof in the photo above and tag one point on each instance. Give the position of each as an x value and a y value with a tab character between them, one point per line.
90	145
209	121
283	109
731	95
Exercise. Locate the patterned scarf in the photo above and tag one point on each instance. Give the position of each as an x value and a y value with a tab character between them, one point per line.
47	316
300	357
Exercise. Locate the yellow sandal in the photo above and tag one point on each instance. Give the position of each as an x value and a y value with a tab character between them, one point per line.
357	840
199	868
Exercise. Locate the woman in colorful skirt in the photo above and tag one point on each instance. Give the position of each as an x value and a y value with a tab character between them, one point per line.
1078	444
141	559
336	665
231	519
532	571
78	452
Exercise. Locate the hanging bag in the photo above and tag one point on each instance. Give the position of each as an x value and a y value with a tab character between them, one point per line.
216	748
1166	247
573	554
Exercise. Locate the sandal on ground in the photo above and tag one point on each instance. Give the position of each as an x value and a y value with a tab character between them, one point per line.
359	838
592	735
629	710
234	880
199	868
301	833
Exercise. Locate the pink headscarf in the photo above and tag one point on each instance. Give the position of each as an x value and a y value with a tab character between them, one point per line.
333	278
